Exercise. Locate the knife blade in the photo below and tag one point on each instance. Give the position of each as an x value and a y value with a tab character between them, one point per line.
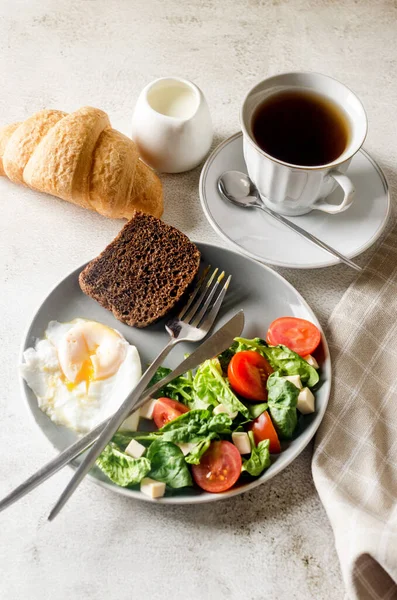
212	346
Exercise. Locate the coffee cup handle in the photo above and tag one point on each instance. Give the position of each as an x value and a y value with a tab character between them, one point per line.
348	191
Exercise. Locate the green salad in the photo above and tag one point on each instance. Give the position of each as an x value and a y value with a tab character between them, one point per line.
218	425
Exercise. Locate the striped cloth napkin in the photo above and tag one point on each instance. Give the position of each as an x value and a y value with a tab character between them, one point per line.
355	456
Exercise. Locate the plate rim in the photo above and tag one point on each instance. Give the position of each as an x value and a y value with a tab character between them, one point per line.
332	260
205	497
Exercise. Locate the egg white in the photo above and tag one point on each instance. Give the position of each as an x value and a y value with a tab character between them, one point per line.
79	407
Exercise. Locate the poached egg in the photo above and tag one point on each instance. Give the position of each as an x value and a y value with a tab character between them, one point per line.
81	372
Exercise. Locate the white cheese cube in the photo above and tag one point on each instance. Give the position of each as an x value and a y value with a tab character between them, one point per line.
135	449
152	488
187	447
295	379
146	411
311	361
306	402
221	408
242	442
131	423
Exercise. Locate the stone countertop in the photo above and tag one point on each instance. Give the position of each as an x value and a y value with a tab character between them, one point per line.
274	542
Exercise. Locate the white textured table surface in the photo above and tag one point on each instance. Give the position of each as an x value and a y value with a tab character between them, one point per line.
276	541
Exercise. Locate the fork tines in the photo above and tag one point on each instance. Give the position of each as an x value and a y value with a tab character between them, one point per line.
199	303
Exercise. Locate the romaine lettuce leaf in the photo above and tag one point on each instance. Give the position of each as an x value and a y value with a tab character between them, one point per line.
212	388
256	344
205	395
259	459
168	464
121	468
282	399
282	359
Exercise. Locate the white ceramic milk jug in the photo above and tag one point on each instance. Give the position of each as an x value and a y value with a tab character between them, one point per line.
172	125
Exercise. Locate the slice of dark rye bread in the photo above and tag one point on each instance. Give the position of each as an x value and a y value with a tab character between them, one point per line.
143	273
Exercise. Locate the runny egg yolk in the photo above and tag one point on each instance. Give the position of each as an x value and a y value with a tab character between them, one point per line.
90	351
86	374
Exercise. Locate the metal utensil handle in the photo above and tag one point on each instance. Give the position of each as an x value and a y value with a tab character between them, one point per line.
72	451
69	454
218	341
310	237
110	429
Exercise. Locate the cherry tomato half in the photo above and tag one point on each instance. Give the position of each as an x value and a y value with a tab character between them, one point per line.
298	335
263	429
166	410
219	468
248	372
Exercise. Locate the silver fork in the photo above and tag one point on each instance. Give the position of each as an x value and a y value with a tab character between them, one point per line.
191	325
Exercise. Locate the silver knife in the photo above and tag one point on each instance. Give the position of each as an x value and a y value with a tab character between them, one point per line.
214	345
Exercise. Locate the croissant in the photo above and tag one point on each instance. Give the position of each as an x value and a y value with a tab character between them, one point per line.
78	157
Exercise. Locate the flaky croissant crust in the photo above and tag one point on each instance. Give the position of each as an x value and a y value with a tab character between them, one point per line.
78	157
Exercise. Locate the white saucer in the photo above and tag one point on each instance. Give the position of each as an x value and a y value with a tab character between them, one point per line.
259	236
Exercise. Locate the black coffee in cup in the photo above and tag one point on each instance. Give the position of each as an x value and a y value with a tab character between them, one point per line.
301	128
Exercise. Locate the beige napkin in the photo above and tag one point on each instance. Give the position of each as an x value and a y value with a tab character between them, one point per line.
355	456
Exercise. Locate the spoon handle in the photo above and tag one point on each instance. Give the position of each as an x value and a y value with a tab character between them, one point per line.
309	236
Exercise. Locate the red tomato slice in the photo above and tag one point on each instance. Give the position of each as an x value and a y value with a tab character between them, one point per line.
263	429
166	410
248	372
219	468
298	335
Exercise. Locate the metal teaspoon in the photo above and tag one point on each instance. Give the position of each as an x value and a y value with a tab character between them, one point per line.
237	188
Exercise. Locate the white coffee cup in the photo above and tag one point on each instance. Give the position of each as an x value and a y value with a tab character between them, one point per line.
294	189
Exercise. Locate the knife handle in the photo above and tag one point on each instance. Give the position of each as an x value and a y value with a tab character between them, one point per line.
220	340
72	451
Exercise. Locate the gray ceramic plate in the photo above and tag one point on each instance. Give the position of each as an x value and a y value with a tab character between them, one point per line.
263	294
